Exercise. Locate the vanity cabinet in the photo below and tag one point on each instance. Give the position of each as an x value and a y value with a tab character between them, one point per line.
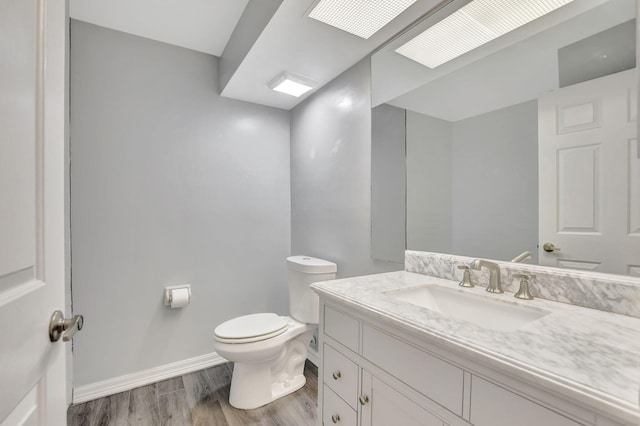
353	395
372	373
370	399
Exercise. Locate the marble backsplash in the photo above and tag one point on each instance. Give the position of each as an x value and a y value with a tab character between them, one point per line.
612	293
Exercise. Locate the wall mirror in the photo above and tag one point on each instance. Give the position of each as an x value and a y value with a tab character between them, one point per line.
526	143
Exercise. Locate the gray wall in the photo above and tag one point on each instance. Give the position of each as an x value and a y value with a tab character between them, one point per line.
584	61
495	183
429	197
331	174
170	184
388	183
472	185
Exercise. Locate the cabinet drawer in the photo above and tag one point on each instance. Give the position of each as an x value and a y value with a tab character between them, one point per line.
335	410
341	327
434	378
492	405
341	375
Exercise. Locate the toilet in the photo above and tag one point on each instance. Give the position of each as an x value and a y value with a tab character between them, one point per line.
268	350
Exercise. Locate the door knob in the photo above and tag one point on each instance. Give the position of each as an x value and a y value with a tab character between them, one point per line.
549	247
364	399
59	326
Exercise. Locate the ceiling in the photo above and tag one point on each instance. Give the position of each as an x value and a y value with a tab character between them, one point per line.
287	40
202	25
516	68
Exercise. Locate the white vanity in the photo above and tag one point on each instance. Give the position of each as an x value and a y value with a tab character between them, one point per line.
395	351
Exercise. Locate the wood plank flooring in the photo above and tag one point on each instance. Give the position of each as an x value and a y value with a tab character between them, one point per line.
199	399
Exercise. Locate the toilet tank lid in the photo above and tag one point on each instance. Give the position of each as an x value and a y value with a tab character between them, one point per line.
311	265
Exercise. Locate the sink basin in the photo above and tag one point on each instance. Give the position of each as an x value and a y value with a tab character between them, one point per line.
462	305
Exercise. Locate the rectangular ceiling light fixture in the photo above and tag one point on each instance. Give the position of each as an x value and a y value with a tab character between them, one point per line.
359	17
294	85
473	25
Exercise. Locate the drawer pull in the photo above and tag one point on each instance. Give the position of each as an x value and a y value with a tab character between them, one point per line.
335	418
336	376
364	399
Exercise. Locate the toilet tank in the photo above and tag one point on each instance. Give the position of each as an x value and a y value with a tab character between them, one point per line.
303	271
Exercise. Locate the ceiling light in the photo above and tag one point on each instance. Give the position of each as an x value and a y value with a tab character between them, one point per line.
473	25
294	85
359	17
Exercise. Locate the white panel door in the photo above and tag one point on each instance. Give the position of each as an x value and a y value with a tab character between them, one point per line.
32	136
589	176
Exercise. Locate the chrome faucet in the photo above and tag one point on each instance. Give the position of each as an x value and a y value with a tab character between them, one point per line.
494	274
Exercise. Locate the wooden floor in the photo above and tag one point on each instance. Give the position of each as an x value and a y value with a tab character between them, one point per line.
200	398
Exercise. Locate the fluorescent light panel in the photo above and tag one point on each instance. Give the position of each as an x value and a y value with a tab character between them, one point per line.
473	25
290	84
359	17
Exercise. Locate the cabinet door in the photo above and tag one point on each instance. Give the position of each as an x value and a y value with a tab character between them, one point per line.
381	405
438	380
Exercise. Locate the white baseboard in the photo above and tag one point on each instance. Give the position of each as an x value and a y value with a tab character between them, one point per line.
312	355
141	378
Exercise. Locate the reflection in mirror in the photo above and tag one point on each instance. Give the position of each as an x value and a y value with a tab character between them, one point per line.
526	140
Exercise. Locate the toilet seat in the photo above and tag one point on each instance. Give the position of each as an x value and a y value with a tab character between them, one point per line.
251	328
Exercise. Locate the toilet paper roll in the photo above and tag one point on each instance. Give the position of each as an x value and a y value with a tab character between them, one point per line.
179	297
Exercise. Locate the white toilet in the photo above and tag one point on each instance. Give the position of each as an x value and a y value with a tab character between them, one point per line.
268	350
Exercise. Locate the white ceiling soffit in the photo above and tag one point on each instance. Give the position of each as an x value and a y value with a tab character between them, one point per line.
496	81
480	21
394	75
293	42
202	25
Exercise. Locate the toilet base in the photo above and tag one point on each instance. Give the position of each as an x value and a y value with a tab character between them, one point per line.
256	384
278	390
249	392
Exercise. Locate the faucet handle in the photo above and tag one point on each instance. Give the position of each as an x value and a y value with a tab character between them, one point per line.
524	276
466	279
523	291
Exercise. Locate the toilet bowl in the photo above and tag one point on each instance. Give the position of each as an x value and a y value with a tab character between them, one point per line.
266	367
268	350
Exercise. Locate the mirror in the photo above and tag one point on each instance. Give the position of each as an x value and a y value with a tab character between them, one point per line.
506	145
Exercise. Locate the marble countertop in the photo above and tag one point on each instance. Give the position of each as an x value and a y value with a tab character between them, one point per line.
589	355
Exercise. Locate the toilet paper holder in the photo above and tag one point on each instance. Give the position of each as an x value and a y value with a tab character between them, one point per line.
168	293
